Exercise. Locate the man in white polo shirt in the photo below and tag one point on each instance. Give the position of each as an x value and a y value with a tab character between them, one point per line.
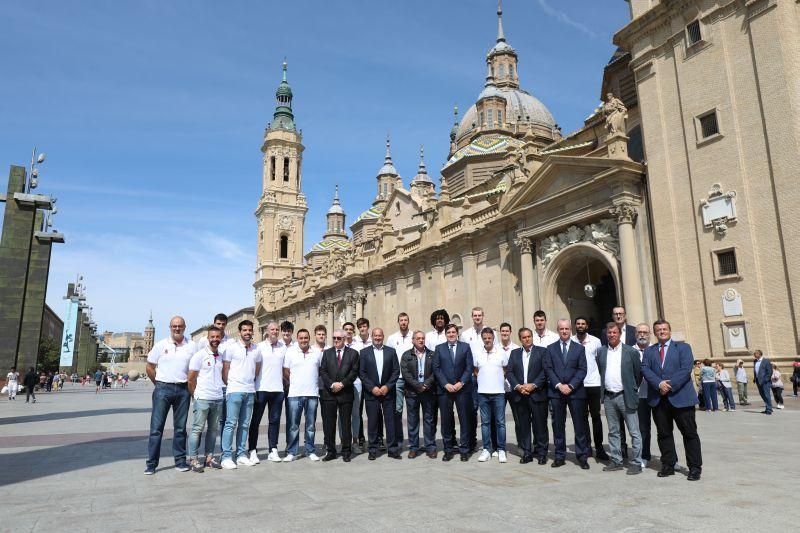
168	369
301	370
542	337
490	364
402	342
205	386
269	393
472	336
241	365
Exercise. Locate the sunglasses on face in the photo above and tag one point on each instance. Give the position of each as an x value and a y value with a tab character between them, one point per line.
337	338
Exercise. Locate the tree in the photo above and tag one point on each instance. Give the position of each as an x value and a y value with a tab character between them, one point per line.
49	355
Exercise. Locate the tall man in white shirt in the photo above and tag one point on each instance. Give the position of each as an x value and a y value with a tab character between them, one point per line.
542	337
591	383
168	369
301	370
645	411
506	346
490	364
205	386
472	336
241	364
270	394
401	342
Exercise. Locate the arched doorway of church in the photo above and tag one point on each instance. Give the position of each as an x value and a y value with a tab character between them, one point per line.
570	274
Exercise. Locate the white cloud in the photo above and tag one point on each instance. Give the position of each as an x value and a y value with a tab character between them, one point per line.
564	18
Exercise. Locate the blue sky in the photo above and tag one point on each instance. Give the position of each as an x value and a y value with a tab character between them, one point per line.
152	115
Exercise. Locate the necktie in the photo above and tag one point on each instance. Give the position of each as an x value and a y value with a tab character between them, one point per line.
339	358
564	351
453	352
661	353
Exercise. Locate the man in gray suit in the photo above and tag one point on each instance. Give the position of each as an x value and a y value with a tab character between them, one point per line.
620	376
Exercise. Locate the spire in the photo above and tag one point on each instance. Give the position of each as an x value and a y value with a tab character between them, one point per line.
388	165
150	322
336	207
283	117
454	131
422	169
422	172
501	38
388	159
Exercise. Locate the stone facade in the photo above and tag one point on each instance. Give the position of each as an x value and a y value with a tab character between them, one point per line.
232	329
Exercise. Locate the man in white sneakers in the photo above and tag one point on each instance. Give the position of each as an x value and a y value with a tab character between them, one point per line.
490	365
205	386
241	365
301	370
269	394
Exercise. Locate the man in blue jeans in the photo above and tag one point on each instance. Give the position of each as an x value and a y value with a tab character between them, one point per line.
301	370
762	372
168	368
205	386
241	364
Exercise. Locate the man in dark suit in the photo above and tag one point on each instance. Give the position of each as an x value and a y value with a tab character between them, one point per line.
526	375
668	370
338	371
452	366
628	332
620	377
379	370
416	367
762	377
565	366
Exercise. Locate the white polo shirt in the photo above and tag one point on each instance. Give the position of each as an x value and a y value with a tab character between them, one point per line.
590	345
545	340
172	360
270	379
243	360
433	339
358	344
491	374
203	343
303	371
208	365
473	338
400	344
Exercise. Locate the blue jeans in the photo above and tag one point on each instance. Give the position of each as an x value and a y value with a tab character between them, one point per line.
727	398
166	396
399	401
239	406
204	411
710	395
764	389
427	401
493	410
307	407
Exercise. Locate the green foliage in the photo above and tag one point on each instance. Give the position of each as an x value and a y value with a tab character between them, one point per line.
49	355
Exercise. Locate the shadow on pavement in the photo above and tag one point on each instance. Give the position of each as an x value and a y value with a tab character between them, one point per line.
72	414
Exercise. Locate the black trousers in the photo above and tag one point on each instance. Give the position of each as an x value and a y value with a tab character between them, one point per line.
462	401
531	419
645	412
330	408
377	409
665	416
593	397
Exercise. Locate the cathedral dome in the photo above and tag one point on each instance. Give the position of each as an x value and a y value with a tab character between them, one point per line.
501	47
519	103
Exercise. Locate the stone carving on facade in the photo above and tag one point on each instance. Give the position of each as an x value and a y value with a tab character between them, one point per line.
603	234
719	209
524	245
625	213
616	114
285	223
334	266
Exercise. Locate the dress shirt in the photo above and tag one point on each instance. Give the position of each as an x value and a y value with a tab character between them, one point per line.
243	360
208	366
526	362
491	370
622	334
303	371
433	339
506	350
420	365
590	344
543	341
378	361
270	378
614	369
172	359
400	344
758	365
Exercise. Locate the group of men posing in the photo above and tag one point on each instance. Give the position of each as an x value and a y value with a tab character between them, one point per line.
434	376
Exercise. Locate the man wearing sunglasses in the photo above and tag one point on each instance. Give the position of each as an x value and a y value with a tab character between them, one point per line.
338	372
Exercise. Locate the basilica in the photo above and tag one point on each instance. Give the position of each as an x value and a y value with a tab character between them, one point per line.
650	204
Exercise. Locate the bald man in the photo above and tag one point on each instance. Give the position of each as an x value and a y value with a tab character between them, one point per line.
168	369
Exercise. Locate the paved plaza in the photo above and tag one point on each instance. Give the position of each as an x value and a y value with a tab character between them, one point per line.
74	462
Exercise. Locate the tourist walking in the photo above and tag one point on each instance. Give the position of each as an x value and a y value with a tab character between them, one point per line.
725	387
29	381
795	375
12	382
777	387
709	381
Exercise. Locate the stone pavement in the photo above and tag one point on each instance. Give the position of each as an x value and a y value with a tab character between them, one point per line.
74	462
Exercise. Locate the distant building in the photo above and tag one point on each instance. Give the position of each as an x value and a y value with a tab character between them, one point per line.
52	325
131	346
232	330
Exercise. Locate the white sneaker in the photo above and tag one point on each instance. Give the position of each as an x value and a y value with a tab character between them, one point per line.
643	462
502	457
779	406
228	464
289	458
485	455
244	461
273	456
254	457
495	454
313	457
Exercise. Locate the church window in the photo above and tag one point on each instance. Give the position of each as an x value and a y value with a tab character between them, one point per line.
490	115
709	125
499	118
502	70
693	34
285	169
483	119
726	263
385	189
284	251
272	167
511	71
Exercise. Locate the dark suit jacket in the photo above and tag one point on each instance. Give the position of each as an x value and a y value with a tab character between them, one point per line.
368	371
446	371
631	373
678	365
630	336
536	373
765	372
571	373
408	369
330	373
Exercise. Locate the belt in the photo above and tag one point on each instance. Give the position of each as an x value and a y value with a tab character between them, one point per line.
181	384
613	394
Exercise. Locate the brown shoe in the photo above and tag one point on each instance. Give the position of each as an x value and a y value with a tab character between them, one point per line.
433	454
412	454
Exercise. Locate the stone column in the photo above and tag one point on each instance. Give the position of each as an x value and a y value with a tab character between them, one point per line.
626	214
530	295
360	297
349	299
436	287
330	308
469	263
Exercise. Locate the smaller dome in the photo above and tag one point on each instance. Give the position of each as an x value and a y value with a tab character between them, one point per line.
422	172
372	213
388	165
332	243
501	48
284	90
336	207
491	91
